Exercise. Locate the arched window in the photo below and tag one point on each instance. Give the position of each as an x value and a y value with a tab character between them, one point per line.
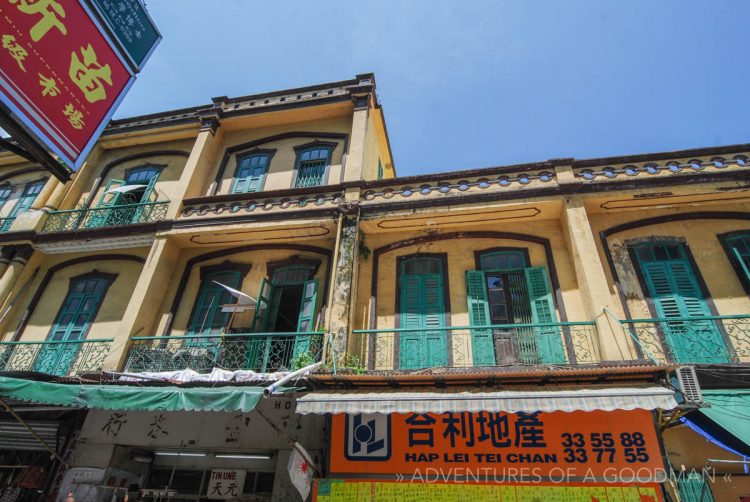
251	172
312	164
503	260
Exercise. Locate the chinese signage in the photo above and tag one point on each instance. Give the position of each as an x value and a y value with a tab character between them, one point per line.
60	74
131	25
589	446
360	491
225	484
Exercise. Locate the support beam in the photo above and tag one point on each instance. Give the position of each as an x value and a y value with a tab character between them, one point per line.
592	282
140	315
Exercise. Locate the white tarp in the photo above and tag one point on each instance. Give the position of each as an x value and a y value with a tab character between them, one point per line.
394	401
216	375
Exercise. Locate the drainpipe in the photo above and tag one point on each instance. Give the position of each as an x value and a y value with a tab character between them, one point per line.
291	376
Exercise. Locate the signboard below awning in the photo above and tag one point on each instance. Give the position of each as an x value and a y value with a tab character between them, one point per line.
132	397
386	402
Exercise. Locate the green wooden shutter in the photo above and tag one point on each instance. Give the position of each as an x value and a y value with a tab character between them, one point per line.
548	338
483	349
142	213
263	307
306	318
411	346
740	250
208	317
72	323
676	294
250	174
422	308
101	215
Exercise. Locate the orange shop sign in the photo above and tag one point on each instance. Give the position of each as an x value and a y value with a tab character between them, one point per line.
578	445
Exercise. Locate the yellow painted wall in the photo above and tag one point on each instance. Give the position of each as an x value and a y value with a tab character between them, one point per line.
41	320
460	254
250	285
167	185
372	151
281	170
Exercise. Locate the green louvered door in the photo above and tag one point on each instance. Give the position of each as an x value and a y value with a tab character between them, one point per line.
422	308
483	351
304	343
142	213
549	341
674	289
259	347
72	323
101	216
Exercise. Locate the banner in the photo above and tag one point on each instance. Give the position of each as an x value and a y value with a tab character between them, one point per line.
363	491
580	445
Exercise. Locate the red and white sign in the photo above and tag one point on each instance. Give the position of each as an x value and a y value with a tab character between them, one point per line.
226	484
60	73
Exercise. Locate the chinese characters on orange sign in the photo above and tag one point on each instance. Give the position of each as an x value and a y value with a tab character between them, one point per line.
581	444
59	73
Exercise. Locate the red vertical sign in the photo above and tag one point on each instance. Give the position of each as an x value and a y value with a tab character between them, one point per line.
59	73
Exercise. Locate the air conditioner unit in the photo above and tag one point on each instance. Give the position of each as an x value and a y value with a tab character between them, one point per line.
689	385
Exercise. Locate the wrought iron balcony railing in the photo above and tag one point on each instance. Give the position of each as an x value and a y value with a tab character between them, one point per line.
260	352
697	340
63	358
508	345
113	216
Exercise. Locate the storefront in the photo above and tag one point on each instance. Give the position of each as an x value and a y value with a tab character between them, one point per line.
504	445
180	443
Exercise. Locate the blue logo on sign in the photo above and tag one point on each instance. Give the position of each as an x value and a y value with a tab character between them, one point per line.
368	437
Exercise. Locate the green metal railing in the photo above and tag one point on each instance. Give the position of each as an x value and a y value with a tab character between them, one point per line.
5	223
569	343
260	352
698	340
114	216
61	358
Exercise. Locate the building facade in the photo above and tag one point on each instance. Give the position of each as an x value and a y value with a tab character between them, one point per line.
587	282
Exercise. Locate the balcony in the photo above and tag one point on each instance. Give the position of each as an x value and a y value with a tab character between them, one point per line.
259	352
507	345
694	340
114	216
63	358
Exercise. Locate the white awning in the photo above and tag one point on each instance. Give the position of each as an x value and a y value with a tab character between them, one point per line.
394	401
124	189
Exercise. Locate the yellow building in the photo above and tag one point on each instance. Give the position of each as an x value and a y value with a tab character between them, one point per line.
259	235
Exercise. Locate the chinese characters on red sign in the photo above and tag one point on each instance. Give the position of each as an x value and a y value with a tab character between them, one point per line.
59	73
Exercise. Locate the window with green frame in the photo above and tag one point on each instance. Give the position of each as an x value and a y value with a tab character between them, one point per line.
737	247
5	192
251	172
380	170
504	292
208	317
29	195
77	313
312	165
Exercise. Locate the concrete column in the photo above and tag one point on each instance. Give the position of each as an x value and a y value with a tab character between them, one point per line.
194	177
145	301
6	254
355	158
46	192
81	181
13	270
343	279
56	198
592	282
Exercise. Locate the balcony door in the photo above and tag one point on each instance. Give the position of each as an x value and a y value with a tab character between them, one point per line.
422	309
73	321
673	287
516	299
286	305
123	201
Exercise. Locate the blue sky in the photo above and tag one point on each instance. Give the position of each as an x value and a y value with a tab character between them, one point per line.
469	84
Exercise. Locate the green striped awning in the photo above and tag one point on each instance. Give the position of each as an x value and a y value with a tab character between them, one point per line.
133	397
